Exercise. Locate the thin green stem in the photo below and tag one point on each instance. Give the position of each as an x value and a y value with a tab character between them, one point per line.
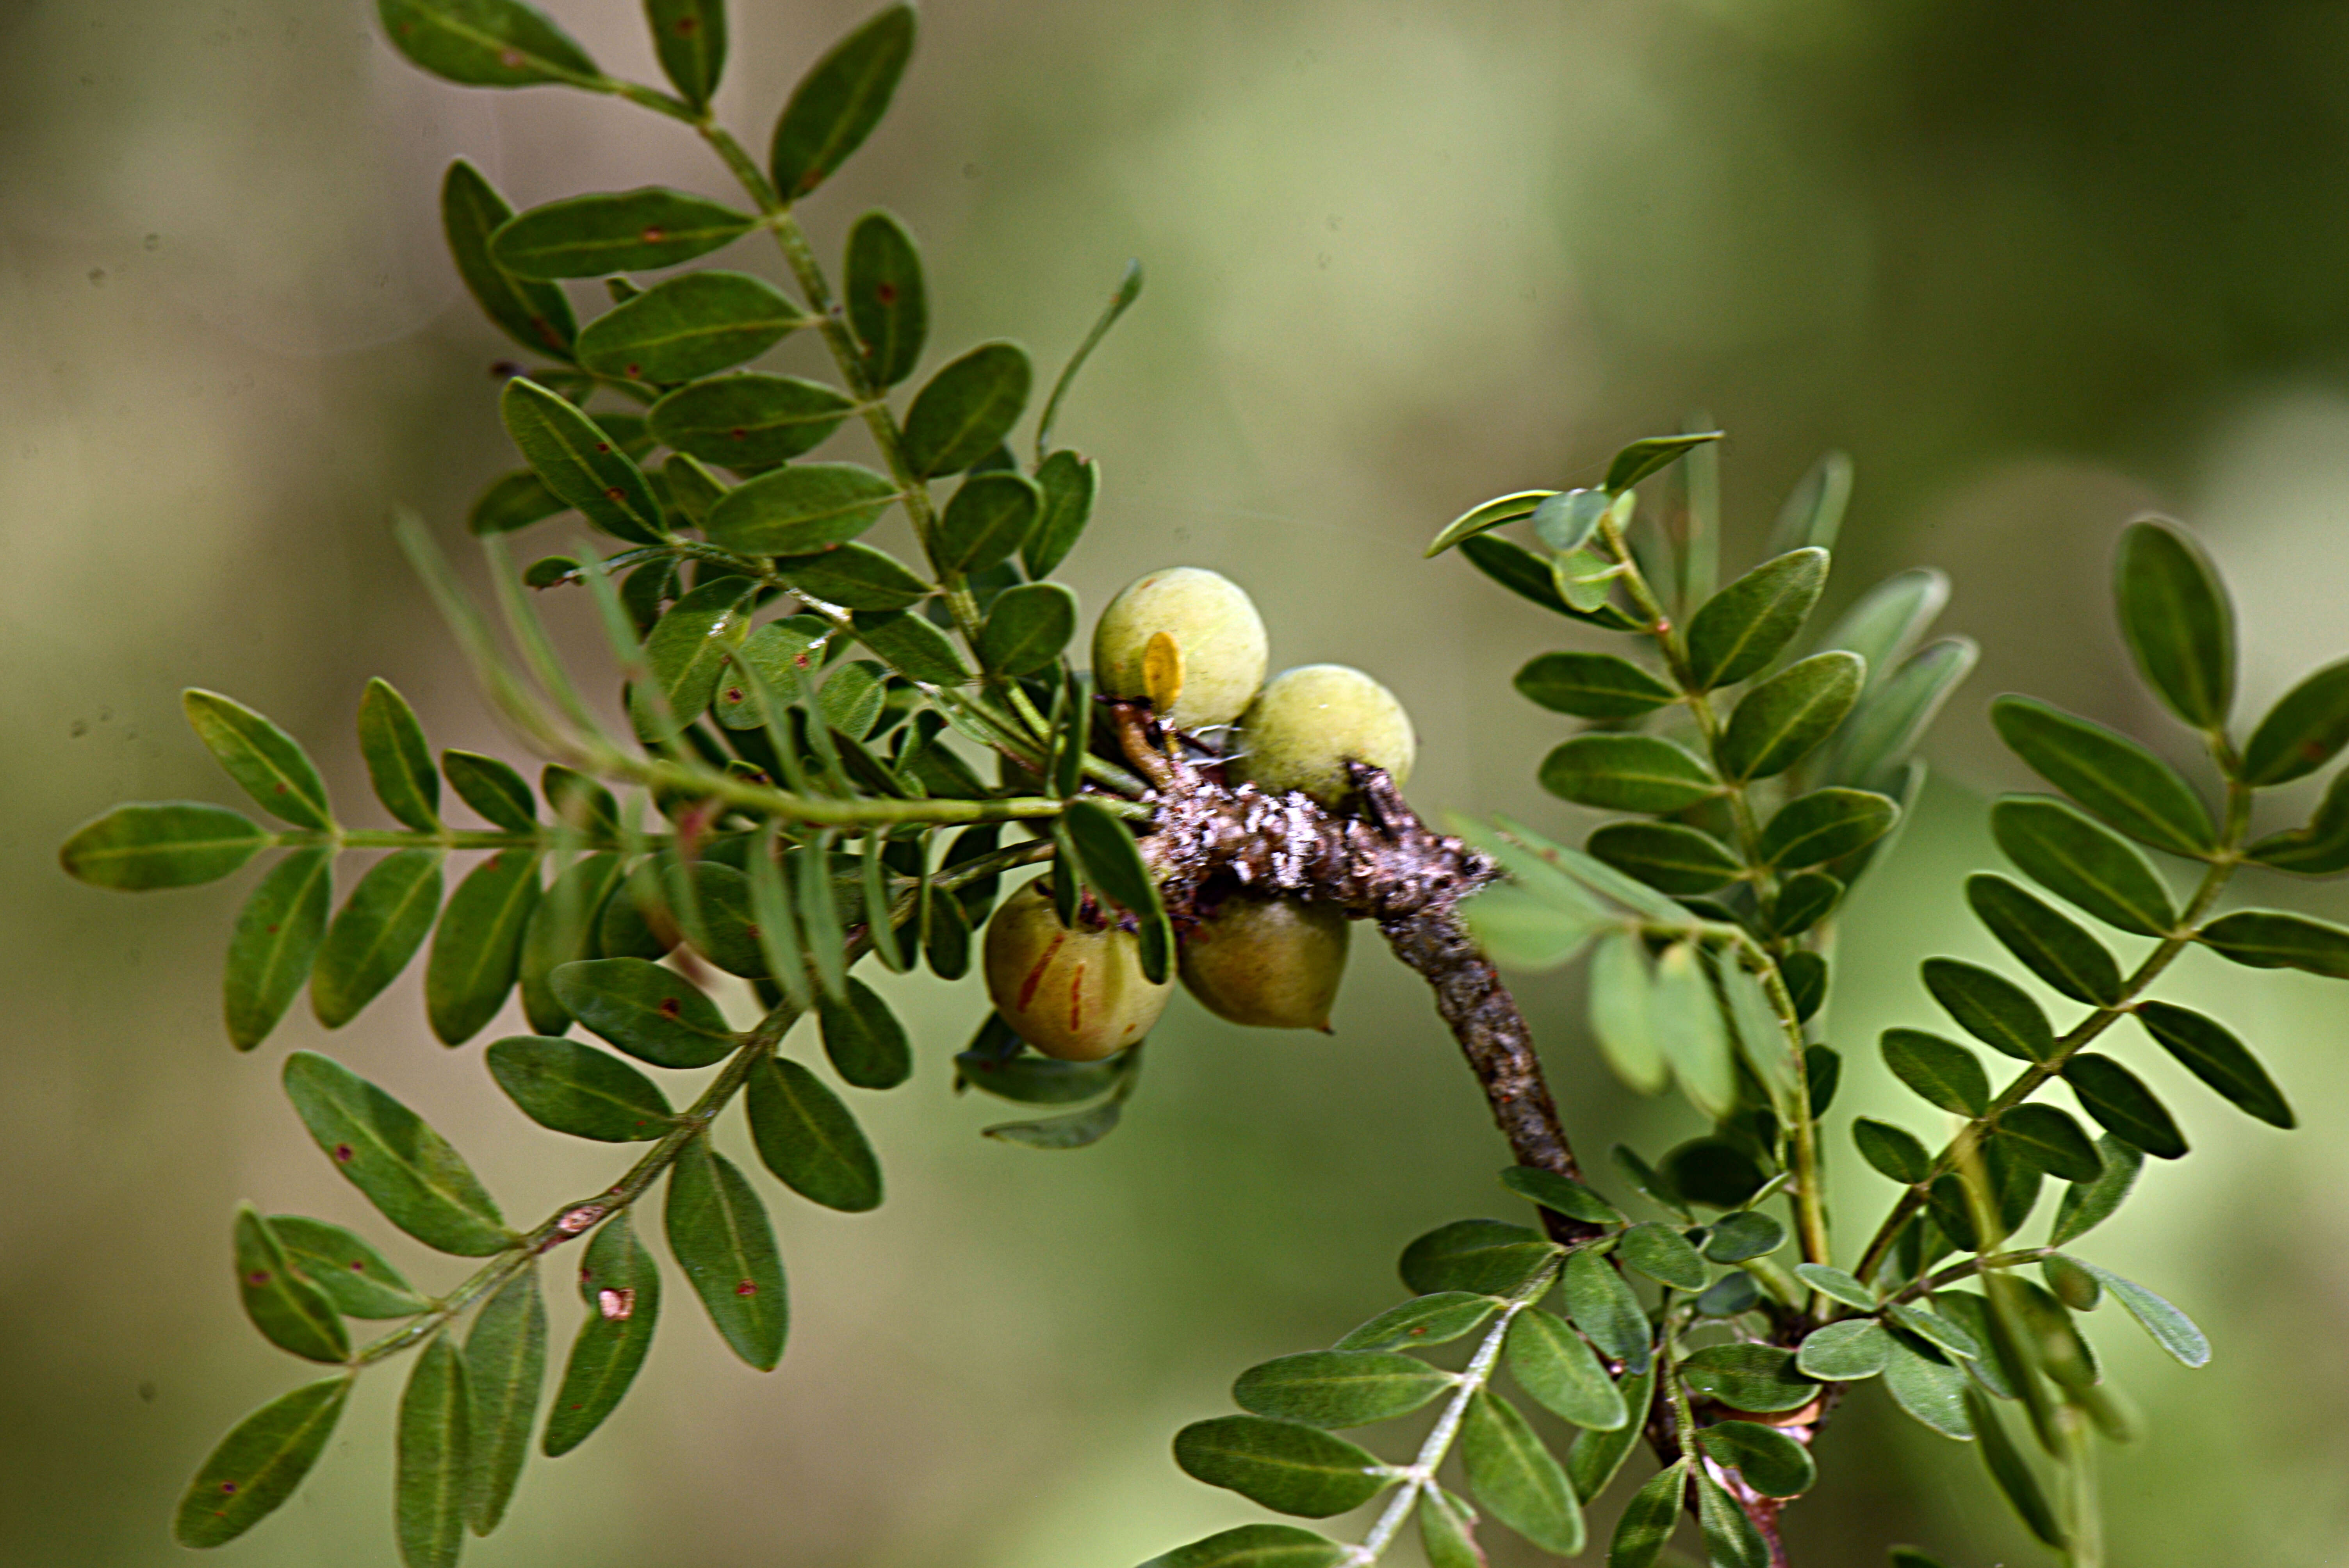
1419	1476
1944	1278
2032	1078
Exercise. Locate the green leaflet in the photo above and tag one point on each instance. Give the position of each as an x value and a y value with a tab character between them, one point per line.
483	43
276	937
989	516
1885	623
578	802
1644	773
385	1150
1448	1532
1667	856
1028	627
1771	1462
796	509
689	36
1742	628
1485	1256
581	463
1990	1007
621	1286
1689	1027
2304	731
1622	1013
257	1466
1652	454
616	231
1592	686
1595	1456
653	1013
1339	1388
854	576
477	947
1891	1150
1927	1384
1491	514
2084	1208
1844	1351
2113	776
2175	617
690	646
434	1457
1069	483
1518	570
689	326
1838	1285
912	646
1729	1539
168	843
376	931
1436	1319
291	1312
1663	1254
2050	1141
720	1235
1284	1466
1603	1306
505	1364
1885	727
353	1275
492	788
1761	1377
1779	722
1560	1195
1744	1233
2319	848
1516	1478
1944	1072
2267	939
398	762
263	759
747	421
837	105
1648	1519
2080	861
2169	1328
864	1041
2204	1048
535	314
1551	1362
966	409
562	930
1825	825
810	1140
572	1088
2006	1464
1256	1546
882	288
2118	1099
2050	946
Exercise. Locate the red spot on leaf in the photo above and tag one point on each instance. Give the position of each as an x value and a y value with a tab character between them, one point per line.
734	694
342	1153
273	930
738	433
603	446
746	1288
616	493
670	1008
635	370
228	1489
886	293
653	235
512	59
686	25
358	1265
257	1277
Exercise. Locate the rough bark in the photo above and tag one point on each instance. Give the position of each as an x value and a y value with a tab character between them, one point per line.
1379	862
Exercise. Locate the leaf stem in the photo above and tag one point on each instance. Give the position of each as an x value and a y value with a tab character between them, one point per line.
1419	1476
2029	1081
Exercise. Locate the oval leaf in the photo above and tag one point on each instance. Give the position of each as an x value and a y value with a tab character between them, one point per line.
1592	686
353	1275
1436	1319
572	1088
2268	939
1944	1072
2205	1047
1256	1546
580	462
1843	1352
476	950
1663	1254
535	314
1892	1150
720	1235
887	307
2177	621
810	1140
1990	1007
2304	731
434	1463
690	326
616	231
2111	775
1516	1478
168	843
492	787
965	410
257	1466
749	421
1642	773
1550	1362
1761	1377
385	1150
839	101
621	1286
1667	856
375	932
262	759
2084	863
1560	1195
986	522
484	43
1742	628
1283	1465
505	1363
2170	1328
1771	1462
1779	722
1068	483
1339	1388
1602	1304
1825	825
277	936
1485	1256
2118	1099
653	1013
2054	948
2051	1141
802	507
864	1039
292	1313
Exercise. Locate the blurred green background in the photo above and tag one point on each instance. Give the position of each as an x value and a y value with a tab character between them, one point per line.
2036	267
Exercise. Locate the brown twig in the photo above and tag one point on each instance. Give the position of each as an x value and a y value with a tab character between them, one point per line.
1378	863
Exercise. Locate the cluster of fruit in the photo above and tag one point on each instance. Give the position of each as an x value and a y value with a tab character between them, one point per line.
1190	641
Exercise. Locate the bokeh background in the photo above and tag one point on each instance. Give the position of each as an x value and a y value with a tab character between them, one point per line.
2036	267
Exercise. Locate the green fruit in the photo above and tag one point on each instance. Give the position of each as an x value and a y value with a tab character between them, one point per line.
1214	628
1076	995
1272	962
1309	722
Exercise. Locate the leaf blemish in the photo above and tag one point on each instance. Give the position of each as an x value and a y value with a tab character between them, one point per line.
615	1305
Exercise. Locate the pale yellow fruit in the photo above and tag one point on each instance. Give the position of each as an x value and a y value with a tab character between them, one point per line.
1309	722
1215	629
1271	963
1076	995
